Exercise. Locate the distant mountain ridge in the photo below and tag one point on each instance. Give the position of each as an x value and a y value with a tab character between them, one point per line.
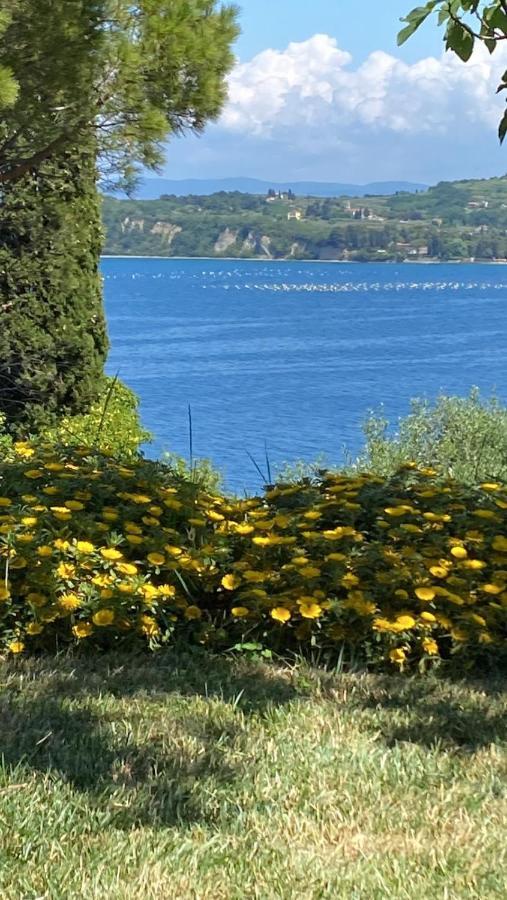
153	188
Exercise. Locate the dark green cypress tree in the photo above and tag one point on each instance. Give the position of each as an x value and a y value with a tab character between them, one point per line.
53	340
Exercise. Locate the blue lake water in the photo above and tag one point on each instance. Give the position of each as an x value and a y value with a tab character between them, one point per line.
293	355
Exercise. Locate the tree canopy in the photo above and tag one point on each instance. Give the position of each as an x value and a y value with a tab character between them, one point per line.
133	74
465	23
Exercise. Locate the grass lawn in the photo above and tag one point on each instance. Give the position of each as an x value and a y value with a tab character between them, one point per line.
186	776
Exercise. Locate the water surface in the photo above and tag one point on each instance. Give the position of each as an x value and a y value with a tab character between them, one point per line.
295	354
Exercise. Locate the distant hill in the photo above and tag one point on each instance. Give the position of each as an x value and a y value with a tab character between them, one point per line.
461	220
153	188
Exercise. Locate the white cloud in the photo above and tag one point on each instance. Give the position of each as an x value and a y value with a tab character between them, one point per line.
312	88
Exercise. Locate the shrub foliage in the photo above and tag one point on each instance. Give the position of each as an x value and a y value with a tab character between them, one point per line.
53	338
463	437
406	570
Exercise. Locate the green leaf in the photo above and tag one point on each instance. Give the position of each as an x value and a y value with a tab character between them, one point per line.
414	19
460	41
499	20
502	128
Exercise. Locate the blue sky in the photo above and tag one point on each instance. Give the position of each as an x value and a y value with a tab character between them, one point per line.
322	92
273	23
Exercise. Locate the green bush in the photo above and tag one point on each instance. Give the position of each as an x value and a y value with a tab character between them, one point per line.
406	570
201	473
464	438
53	339
111	426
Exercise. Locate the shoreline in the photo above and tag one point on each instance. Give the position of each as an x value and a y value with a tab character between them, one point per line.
342	262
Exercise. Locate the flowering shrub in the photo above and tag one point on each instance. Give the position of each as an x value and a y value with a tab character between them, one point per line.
406	569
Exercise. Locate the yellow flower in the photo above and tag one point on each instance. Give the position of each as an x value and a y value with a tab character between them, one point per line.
82	629
149	626
214	516
34	473
156	559
172	550
16	647
148	520
106	594
69	602
74	505
310	572
397	511
140	499
29	521
66	570
493	588
280	614
425	593
102	580
499	543
349	580
439	571
61	512
85	547
44	550
5	501
459	552
231	582
430	646
127	568
110	553
239	612
397	656
110	515
310	610
134	539
252	576
404	622
133	528
61	544
243	528
149	592
4	592
485	638
23	449
335	557
173	504
428	617
474	564
193	612
34	628
54	466
166	590
103	617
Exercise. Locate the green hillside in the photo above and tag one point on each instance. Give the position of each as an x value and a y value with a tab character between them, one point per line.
462	220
